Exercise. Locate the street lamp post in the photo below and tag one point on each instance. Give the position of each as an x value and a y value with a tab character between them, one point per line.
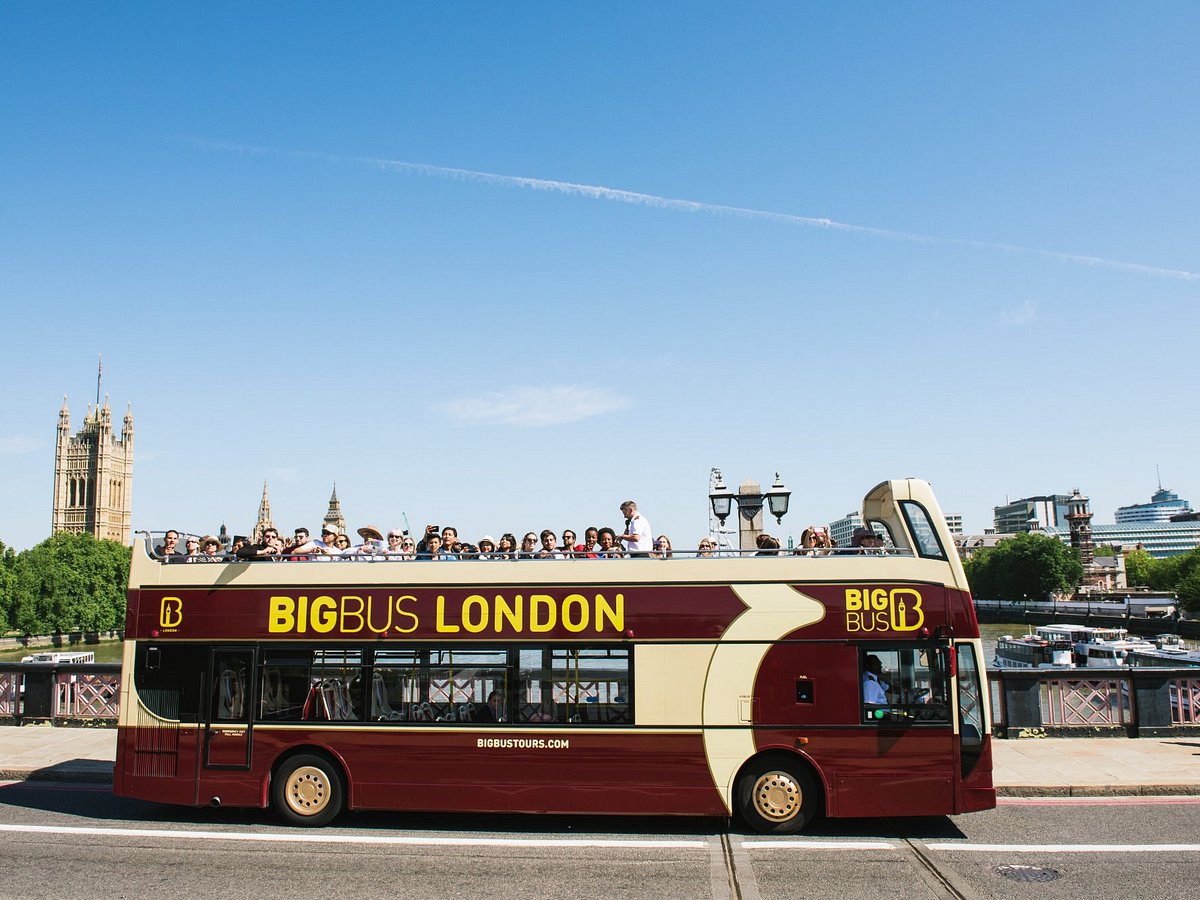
750	500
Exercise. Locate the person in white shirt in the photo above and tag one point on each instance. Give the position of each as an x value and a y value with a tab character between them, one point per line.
638	537
874	687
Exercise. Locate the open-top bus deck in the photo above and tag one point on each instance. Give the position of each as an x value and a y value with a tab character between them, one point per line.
705	686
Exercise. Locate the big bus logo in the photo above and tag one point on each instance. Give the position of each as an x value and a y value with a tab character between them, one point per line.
170	612
878	609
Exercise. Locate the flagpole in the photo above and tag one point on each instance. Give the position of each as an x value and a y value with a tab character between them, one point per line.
99	372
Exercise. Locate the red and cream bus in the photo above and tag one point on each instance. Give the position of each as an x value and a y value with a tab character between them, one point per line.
691	686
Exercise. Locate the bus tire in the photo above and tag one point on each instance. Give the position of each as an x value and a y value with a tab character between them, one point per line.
308	789
777	795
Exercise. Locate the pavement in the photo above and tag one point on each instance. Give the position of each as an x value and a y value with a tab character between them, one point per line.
1024	767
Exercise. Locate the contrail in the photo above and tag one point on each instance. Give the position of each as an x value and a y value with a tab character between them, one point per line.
616	195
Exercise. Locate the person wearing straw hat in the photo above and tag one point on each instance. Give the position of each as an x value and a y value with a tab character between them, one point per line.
372	544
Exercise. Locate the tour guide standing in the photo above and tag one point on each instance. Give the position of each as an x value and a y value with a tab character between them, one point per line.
638	537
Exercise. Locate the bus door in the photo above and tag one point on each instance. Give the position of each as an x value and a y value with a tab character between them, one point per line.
227	738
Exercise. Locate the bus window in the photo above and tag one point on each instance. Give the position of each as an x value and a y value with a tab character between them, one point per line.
574	685
907	685
285	685
231	679
459	682
970	708
922	530
337	685
171	689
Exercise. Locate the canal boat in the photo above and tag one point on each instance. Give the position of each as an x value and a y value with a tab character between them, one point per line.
1168	651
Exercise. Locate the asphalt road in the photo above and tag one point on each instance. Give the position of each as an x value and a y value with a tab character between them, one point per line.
65	840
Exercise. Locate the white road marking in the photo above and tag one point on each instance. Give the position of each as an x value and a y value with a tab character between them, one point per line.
819	845
1067	848
324	838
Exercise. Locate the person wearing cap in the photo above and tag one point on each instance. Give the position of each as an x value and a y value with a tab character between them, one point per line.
487	547
372	544
302	545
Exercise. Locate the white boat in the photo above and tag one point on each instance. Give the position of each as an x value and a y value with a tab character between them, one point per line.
67	657
1034	651
1168	651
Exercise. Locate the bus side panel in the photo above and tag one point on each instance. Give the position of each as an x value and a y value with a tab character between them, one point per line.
525	770
157	763
808	699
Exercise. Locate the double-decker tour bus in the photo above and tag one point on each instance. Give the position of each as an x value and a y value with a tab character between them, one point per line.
772	687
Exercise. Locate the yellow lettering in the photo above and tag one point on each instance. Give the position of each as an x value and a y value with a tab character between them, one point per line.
282	615
301	615
348	613
546	603
412	626
170	612
854	621
581	621
879	599
323	614
854	600
513	614
370	623
907	616
478	623
442	626
614	615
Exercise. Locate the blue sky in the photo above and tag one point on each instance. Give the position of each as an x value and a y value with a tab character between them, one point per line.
248	210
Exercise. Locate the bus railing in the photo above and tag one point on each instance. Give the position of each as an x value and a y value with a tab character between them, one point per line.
385	557
61	693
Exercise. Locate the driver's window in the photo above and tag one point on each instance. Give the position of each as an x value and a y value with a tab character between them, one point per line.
906	685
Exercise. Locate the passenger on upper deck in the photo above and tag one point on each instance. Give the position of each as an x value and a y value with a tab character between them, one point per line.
705	547
591	537
662	547
609	548
210	550
395	538
767	545
507	548
372	544
170	544
433	547
528	546
638	536
193	546
271	545
569	547
549	546
866	541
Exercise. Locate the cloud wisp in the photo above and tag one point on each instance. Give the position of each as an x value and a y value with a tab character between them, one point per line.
654	201
1021	315
534	407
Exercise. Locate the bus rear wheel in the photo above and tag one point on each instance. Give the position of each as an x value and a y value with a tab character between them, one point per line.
777	796
308	790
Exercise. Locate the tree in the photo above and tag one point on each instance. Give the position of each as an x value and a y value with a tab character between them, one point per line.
1138	564
1025	565
1189	591
8	561
70	582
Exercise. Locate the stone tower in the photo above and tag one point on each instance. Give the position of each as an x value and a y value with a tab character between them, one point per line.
93	476
264	518
334	517
1079	518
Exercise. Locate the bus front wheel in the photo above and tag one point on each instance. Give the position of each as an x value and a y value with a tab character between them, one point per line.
307	790
777	796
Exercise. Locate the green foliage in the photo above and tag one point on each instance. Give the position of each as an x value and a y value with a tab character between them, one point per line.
69	582
1138	564
1025	565
1104	550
